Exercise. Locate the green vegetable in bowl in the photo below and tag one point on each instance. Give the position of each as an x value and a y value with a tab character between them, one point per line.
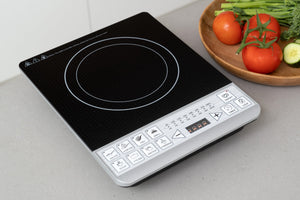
294	29
287	12
291	54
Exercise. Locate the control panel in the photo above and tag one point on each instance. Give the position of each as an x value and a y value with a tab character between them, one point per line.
141	146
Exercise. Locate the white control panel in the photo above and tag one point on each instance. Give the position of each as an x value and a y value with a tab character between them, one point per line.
142	146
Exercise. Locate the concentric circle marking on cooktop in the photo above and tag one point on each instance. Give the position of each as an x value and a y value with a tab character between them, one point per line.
121	73
129	100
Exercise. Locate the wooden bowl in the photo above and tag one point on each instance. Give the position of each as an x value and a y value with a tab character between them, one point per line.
225	55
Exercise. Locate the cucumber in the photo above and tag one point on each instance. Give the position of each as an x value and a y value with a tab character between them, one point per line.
291	54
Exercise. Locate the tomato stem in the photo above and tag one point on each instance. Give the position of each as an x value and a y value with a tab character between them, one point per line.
260	28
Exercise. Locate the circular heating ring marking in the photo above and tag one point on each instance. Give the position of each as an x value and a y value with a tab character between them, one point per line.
136	99
123	109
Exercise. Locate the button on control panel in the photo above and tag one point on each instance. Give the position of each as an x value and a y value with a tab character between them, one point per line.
135	157
229	109
242	102
120	165
149	150
141	146
110	154
226	96
153	132
163	142
125	146
140	139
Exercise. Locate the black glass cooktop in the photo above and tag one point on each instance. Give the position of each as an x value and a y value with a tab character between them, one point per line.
118	79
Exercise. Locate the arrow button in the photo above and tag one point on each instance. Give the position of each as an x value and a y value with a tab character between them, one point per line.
216	115
178	135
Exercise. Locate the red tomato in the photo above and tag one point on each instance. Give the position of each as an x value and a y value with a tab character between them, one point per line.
262	60
227	29
274	25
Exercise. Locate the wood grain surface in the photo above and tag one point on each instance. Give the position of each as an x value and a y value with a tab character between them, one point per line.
225	55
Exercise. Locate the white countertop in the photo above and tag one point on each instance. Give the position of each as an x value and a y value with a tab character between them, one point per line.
41	159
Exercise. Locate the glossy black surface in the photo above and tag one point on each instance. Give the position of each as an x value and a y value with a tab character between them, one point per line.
127	73
120	78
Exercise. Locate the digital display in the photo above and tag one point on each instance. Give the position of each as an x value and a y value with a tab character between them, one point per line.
198	125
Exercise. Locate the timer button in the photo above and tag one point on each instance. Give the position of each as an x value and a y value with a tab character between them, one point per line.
229	109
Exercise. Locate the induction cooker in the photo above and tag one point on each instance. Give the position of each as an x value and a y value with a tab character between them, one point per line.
137	97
